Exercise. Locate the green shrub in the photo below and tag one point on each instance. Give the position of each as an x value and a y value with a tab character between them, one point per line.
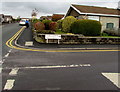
46	23
59	24
39	39
66	24
112	32
58	31
53	26
39	26
45	31
17	20
86	27
35	20
104	34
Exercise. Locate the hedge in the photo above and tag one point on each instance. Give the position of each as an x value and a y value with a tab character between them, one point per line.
86	27
66	24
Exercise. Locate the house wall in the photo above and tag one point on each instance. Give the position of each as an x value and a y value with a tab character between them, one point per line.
105	20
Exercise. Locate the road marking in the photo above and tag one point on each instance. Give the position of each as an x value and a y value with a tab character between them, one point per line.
58	66
87	48
7	55
29	43
49	66
113	77
1	62
10	50
9	44
0	69
14	72
9	84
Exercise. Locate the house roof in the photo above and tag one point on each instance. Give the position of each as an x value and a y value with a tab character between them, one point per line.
97	10
49	16
61	15
2	15
43	17
25	18
8	16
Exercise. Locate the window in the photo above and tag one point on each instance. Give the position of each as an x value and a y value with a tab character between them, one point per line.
110	25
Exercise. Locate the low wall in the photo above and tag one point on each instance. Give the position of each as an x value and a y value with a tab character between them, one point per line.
78	39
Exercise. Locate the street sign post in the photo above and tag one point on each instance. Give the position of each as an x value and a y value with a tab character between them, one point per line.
52	36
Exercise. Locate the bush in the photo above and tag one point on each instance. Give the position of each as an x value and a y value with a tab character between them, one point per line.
53	26
86	27
45	31
39	26
46	23
112	32
58	31
59	24
104	34
17	20
35	20
66	24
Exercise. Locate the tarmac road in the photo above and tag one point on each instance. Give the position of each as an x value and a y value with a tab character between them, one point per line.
8	31
35	71
28	70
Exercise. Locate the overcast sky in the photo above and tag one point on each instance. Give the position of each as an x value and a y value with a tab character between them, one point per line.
23	8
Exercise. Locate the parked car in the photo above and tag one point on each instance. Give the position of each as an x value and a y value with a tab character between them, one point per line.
22	22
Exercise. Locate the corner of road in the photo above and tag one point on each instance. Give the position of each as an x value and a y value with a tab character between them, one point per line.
25	34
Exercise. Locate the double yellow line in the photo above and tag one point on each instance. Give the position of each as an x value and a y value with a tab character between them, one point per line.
10	41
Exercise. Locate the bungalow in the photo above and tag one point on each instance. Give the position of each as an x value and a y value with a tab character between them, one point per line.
8	18
109	18
25	18
56	17
43	17
1	18
49	17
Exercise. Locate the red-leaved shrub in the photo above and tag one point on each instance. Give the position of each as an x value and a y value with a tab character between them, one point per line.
53	26
39	26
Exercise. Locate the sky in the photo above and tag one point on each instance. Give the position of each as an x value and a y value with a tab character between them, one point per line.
23	8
